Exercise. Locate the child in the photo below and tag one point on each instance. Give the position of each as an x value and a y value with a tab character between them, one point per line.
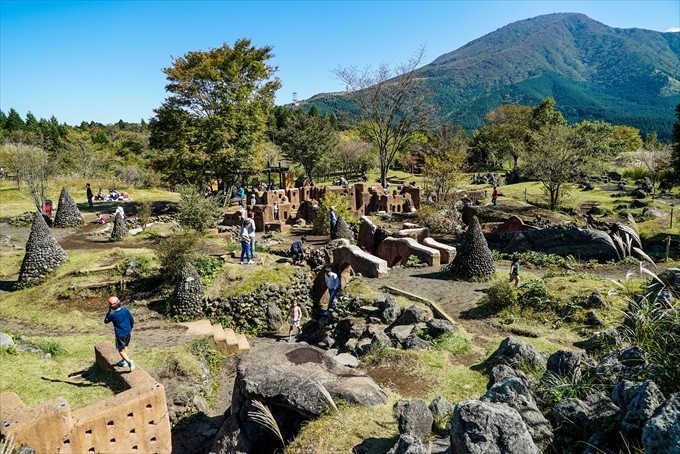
101	218
295	315
123	322
514	270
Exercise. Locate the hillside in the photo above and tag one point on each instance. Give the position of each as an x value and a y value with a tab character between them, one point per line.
623	76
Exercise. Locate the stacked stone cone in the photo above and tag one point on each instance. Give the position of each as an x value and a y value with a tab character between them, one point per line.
43	253
186	301
474	260
68	214
342	230
119	228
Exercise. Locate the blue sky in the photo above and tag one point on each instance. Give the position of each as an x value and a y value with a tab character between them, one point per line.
102	60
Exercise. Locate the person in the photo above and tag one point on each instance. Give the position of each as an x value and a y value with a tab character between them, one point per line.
494	195
100	195
298	250
294	318
101	218
364	177
253	199
486	193
343	181
514	270
119	211
245	244
123	322
250	224
241	193
276	211
333	218
332	284
90	196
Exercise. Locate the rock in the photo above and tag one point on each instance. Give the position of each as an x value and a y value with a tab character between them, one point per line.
43	253
132	268
288	379
565	362
638	402
441	410
6	341
380	339
652	213
638	194
413	314
119	229
601	341
595	300
401	332
639	203
593	320
274	316
346	359
614	176
415	342
628	363
389	310
579	418
367	231
409	444
515	352
414	418
473	260
438	327
68	214
516	394
661	434
501	372
483	428
342	230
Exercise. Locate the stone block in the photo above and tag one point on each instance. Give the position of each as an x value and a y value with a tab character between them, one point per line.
418	234
396	251
367	231
361	262
446	252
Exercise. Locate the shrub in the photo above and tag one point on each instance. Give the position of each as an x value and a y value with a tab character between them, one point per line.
197	211
54	348
208	267
438	221
322	224
502	294
144	213
413	262
636	173
534	296
175	252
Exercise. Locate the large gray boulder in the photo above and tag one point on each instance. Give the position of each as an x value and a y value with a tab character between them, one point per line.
638	402
441	410
186	301
628	364
582	417
516	394
661	434
409	444
43	253
119	228
413	314
566	362
501	372
414	418
68	214
289	379
438	327
486	428
517	353
389	310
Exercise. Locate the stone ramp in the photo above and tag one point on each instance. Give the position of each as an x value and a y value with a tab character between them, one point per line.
225	339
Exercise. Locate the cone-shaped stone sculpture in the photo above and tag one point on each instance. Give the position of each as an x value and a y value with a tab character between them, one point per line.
186	302
68	214
43	253
119	228
473	261
342	230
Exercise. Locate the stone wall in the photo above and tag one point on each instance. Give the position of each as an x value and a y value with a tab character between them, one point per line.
135	420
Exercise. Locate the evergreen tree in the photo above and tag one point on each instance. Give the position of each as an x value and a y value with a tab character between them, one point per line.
675	158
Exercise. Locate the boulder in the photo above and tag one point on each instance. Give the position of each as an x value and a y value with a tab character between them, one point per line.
401	332
412	315
515	352
593	320
581	417
638	401
501	372
652	213
638	194
43	253
6	341
441	410
274	316
409	444
516	394
595	300
342	230
601	341
389	310
346	359
566	362
661	434
415	342
380	339
485	428
68	214
119	228
438	327
639	203
290	380
361	262
628	363
414	418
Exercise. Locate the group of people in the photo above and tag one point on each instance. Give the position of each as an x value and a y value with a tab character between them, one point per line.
112	195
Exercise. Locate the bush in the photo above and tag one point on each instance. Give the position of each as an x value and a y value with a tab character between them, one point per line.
322	224
175	252
636	173
143	213
54	348
502	294
413	262
535	296
197	211
208	267
438	221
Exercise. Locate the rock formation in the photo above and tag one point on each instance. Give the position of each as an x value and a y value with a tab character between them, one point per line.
119	229
43	253
68	214
473	261
342	230
186	300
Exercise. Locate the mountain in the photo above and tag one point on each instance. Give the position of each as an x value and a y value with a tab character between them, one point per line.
596	72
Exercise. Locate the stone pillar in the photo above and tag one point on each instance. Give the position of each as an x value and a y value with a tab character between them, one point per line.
68	214
119	229
187	299
43	253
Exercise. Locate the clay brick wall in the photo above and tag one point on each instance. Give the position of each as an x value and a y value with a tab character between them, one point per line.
134	421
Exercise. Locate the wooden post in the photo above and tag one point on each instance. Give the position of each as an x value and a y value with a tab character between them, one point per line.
668	247
672	209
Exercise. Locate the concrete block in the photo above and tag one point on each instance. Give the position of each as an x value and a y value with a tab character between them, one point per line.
418	234
396	251
447	253
361	262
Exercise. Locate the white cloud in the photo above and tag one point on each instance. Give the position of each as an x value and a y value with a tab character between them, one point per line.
673	30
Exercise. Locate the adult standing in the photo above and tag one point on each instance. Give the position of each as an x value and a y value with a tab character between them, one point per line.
90	196
332	284
494	195
250	224
119	211
333	218
245	244
514	270
123	322
276	211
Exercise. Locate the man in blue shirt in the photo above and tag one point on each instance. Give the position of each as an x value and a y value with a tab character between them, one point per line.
298	251
123	322
333	219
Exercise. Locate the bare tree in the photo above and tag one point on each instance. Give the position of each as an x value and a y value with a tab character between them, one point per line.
392	104
32	166
656	159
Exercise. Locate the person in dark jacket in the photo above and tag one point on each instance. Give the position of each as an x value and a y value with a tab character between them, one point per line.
123	322
90	196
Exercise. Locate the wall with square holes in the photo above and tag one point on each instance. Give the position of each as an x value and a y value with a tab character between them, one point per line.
133	421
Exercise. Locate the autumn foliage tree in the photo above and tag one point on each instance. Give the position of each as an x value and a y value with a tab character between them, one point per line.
216	113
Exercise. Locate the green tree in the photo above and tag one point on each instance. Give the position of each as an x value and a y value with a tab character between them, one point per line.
392	105
675	158
32	165
546	115
445	155
306	139
507	130
216	113
14	121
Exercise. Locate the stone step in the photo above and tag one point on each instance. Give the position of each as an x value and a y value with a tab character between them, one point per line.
231	336
218	333
198	328
243	344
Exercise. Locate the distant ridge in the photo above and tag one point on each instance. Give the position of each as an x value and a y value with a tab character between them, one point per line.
622	76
